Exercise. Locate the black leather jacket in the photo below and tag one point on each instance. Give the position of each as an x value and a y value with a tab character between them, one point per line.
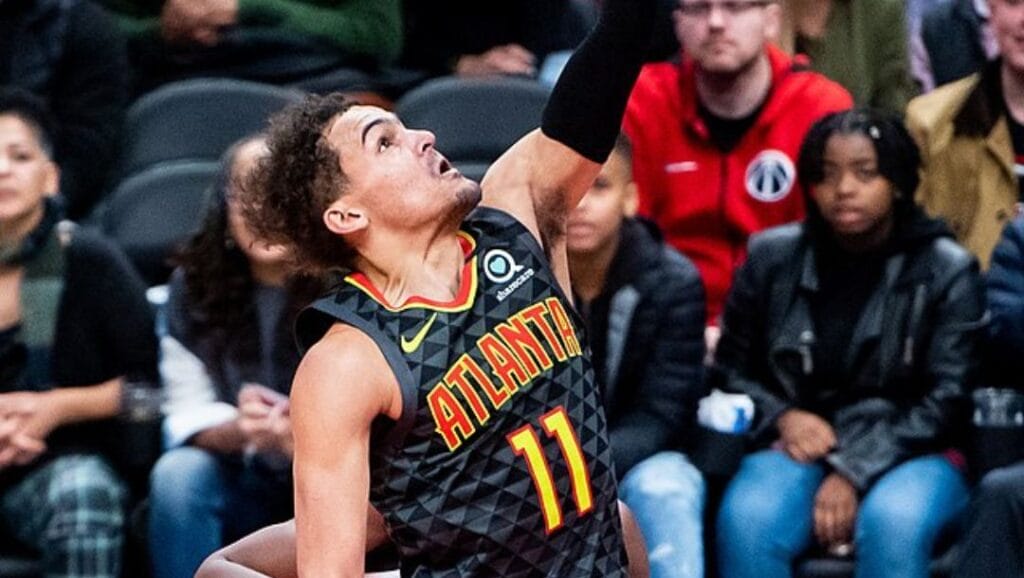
910	359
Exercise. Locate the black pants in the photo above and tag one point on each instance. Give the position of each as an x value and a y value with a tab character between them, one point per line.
994	545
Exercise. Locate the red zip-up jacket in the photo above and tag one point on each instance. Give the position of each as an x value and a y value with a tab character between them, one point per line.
707	202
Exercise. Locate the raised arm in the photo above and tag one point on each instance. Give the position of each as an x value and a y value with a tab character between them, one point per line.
340	387
545	174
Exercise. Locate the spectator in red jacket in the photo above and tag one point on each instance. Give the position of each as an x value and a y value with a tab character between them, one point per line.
715	135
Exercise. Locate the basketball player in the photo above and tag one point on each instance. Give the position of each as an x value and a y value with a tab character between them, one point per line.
446	378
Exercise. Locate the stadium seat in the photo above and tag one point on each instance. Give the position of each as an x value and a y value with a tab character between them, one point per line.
152	212
196	120
826	567
475	120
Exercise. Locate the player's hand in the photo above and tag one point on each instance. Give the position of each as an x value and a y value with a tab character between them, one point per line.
805	437
507	59
835	510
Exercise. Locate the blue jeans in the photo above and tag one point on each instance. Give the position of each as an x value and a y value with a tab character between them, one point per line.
766	519
200	501
666	494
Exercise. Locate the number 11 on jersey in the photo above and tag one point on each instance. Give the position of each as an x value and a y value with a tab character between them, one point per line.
526	443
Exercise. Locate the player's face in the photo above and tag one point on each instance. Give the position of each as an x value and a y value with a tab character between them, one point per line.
1008	26
725	37
395	173
257	251
595	223
853	197
27	174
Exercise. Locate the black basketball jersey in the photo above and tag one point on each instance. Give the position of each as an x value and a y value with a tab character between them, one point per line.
500	464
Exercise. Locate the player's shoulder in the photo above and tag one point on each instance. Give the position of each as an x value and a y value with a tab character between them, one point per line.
342	351
344	359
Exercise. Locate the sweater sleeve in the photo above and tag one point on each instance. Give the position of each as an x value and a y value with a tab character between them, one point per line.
109	323
371	28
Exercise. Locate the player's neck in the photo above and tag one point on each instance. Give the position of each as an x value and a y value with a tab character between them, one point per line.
735	95
431	269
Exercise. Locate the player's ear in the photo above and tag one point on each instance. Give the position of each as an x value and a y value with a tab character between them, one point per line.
342	219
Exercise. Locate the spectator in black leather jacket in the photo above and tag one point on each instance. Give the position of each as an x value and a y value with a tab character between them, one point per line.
854	332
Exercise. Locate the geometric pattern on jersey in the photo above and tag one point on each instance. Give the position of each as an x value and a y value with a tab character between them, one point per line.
465	503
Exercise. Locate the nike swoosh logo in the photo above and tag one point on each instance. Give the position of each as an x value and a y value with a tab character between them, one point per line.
410	345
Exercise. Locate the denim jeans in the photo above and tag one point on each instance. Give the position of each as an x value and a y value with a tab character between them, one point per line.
200	501
766	518
666	494
994	544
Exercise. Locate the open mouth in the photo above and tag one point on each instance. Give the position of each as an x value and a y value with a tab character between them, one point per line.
446	169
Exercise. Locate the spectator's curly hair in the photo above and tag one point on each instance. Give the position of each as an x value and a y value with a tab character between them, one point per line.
217	275
216	271
286	196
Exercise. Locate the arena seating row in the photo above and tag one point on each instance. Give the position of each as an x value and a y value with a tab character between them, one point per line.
175	135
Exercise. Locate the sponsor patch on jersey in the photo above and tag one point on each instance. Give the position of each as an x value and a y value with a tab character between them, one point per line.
770	176
499	266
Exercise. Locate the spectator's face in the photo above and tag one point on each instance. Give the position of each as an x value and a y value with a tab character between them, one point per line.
595	223
27	175
1007	20
725	37
395	176
257	251
853	197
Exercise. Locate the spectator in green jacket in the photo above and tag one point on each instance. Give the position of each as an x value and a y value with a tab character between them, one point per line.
861	44
279	41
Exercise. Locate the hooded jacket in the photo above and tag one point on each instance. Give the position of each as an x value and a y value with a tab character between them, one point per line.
706	201
909	361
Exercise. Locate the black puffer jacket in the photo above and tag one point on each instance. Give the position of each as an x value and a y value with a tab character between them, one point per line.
909	362
647	335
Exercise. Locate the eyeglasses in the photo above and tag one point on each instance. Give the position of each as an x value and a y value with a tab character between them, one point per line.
702	8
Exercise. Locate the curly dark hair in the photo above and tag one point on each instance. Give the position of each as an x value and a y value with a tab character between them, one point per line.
290	189
218	280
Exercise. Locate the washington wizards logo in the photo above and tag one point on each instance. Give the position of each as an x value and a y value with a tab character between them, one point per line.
499	266
770	176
